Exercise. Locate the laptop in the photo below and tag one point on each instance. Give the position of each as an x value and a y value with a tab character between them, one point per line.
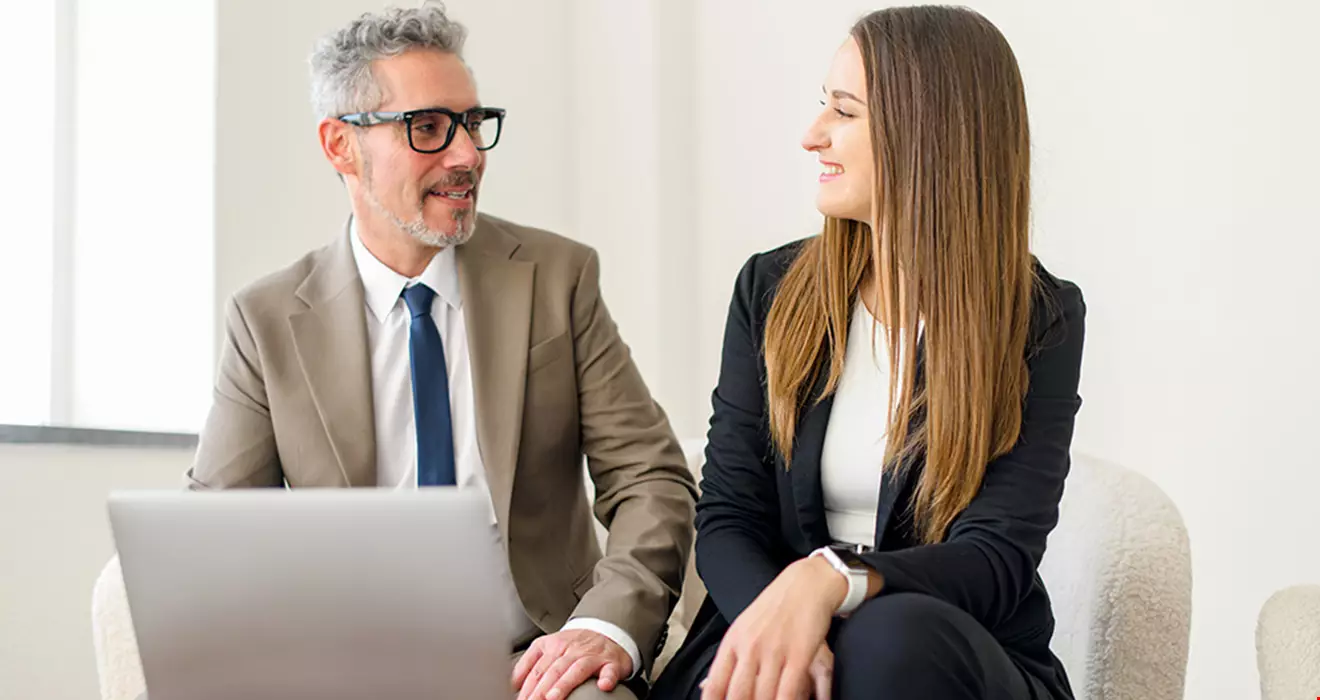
327	594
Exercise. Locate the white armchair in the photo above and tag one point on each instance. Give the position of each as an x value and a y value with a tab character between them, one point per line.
1119	572
117	661
1288	644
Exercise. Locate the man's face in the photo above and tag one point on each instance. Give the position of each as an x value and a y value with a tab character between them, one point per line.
430	196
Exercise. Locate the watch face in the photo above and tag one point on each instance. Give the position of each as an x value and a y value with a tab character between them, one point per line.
849	557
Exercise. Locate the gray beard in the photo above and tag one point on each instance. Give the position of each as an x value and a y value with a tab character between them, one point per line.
419	231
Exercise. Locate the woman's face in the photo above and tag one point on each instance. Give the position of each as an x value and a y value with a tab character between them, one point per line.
841	138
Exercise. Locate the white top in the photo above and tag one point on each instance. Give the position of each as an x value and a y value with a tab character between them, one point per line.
855	439
388	322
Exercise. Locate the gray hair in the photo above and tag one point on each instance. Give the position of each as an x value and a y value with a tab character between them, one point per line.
342	81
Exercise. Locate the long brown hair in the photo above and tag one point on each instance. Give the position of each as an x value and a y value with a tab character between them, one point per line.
948	119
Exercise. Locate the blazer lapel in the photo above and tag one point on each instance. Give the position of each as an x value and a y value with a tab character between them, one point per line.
330	339
892	483
497	309
897	480
805	473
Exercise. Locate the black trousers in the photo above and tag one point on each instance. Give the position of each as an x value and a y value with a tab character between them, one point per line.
907	646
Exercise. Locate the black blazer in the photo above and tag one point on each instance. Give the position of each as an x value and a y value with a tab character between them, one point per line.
754	517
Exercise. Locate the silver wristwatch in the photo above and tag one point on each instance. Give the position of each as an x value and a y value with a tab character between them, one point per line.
846	562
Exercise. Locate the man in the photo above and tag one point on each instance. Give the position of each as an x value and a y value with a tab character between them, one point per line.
430	345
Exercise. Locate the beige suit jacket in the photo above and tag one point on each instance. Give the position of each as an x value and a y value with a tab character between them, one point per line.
553	381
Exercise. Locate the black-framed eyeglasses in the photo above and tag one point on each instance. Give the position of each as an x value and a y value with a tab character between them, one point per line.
432	130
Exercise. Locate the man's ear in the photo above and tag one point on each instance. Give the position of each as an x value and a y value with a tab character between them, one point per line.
339	145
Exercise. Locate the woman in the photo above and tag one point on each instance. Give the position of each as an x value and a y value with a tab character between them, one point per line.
903	385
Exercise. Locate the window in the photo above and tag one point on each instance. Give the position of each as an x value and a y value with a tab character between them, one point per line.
28	184
107	288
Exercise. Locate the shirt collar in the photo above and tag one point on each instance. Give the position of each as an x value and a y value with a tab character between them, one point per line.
383	286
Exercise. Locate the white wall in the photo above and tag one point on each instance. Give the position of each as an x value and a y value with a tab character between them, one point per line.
55	540
1179	191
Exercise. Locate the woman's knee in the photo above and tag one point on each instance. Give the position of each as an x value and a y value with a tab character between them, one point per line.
909	640
910	620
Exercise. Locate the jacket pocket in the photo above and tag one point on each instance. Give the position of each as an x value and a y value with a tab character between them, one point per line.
547	352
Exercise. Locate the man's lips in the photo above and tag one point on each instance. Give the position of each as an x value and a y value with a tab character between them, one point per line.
456	193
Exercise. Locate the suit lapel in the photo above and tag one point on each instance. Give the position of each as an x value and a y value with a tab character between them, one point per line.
497	310
898	480
330	339
892	483
805	473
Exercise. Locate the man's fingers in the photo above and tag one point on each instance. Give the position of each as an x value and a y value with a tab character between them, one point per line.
553	672
525	664
533	681
609	677
574	676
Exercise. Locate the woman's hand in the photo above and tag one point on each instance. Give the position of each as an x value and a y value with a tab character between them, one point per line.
822	672
767	653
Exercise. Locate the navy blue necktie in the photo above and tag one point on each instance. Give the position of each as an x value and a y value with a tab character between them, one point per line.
430	385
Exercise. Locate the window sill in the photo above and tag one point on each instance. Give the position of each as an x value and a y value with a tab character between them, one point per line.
93	437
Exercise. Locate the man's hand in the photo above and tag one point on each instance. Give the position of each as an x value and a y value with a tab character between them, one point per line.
769	651
556	664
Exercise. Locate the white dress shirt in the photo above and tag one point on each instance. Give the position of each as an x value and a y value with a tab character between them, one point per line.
856	436
388	321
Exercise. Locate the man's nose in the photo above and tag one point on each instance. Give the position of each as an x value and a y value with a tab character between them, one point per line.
462	152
